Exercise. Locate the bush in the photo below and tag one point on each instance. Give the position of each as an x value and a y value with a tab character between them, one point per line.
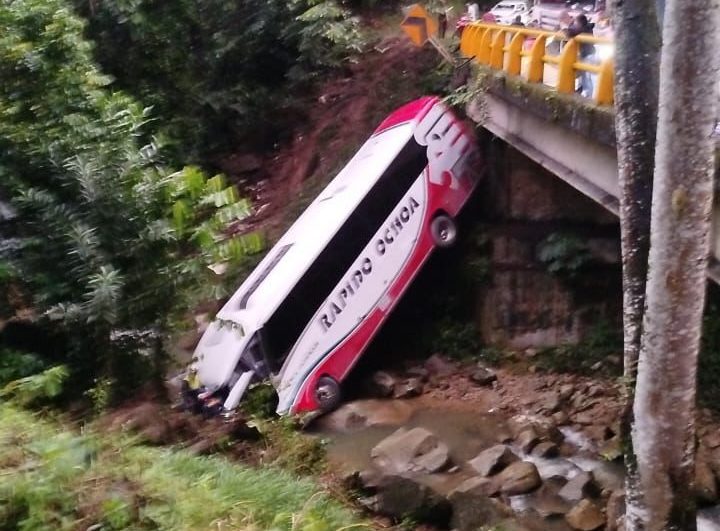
218	72
114	244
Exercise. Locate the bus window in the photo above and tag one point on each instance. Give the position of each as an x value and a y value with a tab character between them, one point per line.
282	330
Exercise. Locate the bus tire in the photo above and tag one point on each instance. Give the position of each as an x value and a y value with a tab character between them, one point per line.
443	231
327	393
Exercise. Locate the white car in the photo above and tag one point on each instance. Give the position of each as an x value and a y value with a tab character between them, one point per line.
508	11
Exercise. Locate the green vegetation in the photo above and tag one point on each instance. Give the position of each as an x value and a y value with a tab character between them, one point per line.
219	73
563	254
54	478
601	341
114	244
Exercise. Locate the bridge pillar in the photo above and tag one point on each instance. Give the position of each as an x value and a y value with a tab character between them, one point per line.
524	304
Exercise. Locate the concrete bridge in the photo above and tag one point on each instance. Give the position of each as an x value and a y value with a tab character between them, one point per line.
526	96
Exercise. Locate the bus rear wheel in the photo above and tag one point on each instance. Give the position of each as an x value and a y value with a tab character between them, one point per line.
327	393
443	231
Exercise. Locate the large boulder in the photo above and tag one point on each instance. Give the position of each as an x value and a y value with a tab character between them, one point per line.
411	451
400	497
479	486
519	478
527	439
471	509
547	503
578	487
546	449
585	516
493	460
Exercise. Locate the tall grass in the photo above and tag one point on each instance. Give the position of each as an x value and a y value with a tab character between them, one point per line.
55	478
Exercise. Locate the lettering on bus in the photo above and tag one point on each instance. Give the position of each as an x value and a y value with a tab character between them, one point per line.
353	283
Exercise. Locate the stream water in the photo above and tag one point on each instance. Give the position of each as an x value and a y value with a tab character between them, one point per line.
466	433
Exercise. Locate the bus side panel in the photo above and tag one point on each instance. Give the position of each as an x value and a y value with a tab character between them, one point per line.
449	180
359	291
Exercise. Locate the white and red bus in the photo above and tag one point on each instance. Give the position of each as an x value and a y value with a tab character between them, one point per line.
313	304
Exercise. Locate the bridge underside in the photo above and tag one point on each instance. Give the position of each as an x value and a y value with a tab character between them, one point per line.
577	150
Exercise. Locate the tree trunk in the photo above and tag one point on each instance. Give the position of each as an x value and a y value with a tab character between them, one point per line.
637	70
664	429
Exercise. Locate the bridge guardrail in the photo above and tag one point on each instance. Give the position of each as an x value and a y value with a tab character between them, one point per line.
505	47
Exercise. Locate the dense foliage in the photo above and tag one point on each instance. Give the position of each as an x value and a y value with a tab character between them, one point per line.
112	241
219	72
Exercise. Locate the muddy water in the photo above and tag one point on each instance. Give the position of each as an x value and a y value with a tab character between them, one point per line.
467	433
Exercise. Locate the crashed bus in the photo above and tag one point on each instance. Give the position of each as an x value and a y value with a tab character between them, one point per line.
310	308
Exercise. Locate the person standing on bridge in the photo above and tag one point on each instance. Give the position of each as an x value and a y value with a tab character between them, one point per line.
581	26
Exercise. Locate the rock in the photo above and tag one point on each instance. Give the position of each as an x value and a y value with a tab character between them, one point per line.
527	439
409	388
519	478
551	403
483	376
584	418
615	510
493	460
438	365
401	497
712	439
471	510
560	418
504	436
532	369
382	384
611	449
531	352
596	366
546	449
410	451
578	487
547	502
706	490
566	391
352	416
419	372
585	516
595	391
478	486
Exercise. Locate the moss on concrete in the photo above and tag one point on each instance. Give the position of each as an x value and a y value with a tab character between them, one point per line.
574	112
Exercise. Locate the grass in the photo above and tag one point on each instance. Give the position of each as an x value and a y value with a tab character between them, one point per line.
52	477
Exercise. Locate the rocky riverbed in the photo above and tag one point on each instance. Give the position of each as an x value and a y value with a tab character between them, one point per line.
459	447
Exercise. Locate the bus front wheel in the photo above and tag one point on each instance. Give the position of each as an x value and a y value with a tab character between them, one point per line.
443	231
327	393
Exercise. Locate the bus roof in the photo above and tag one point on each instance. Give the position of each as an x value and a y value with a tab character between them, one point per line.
273	279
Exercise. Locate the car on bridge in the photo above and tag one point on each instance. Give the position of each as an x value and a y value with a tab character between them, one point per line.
509	11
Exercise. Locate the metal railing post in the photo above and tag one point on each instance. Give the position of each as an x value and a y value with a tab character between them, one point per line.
514	54
566	67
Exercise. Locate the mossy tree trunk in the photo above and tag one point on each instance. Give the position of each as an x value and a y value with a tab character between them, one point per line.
637	70
664	409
